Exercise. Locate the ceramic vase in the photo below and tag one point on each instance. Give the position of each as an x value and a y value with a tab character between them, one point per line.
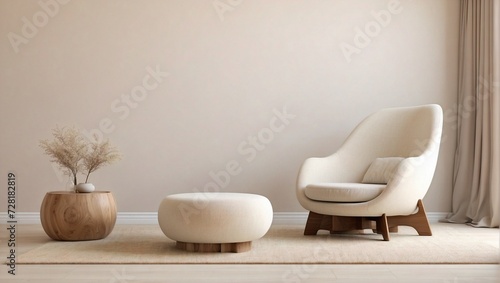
85	188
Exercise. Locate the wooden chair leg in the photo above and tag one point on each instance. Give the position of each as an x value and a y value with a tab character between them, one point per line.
391	229
418	221
383	224
316	221
383	227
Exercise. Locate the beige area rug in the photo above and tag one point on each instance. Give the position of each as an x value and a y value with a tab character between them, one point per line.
146	244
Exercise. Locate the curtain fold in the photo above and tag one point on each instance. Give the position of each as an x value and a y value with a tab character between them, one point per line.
476	185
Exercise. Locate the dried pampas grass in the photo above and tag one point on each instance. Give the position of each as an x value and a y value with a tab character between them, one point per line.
74	154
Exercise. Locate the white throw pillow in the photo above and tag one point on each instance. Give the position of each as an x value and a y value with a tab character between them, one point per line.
381	170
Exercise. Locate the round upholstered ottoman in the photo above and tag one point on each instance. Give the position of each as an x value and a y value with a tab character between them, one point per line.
215	222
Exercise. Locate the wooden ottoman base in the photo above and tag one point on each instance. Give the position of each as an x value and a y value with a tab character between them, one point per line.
211	248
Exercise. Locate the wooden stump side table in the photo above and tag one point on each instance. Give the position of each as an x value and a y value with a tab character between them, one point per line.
71	216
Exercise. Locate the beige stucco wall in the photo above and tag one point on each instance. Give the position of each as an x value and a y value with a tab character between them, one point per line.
187	88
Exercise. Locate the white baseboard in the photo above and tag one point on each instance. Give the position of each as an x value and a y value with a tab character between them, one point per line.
280	218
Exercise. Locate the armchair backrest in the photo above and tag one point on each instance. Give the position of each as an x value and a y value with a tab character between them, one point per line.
392	132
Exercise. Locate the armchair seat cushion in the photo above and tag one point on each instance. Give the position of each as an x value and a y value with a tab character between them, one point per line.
343	192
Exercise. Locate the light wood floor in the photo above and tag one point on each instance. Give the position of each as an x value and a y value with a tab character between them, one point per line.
29	236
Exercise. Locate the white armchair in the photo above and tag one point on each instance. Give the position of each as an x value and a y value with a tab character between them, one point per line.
378	177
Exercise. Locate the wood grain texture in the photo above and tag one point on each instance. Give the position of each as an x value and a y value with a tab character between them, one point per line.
418	221
381	225
70	216
211	248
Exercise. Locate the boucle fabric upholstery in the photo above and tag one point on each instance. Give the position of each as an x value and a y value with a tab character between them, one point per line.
215	217
343	192
382	170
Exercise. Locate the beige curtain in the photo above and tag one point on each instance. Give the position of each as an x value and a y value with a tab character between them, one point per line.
476	183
